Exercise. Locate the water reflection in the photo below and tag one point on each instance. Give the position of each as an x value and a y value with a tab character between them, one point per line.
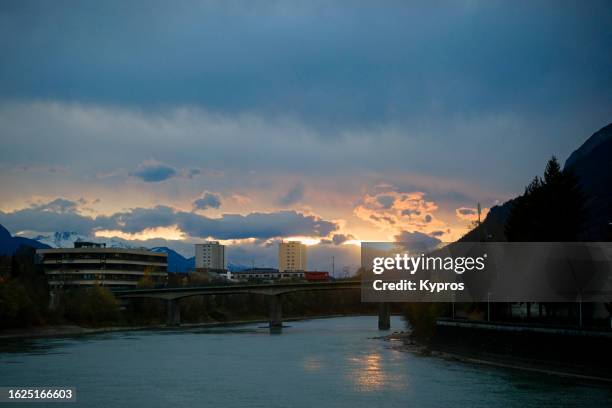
313	363
368	372
369	376
317	363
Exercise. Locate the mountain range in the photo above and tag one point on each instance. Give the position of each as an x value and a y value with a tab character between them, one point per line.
66	239
177	263
592	164
10	244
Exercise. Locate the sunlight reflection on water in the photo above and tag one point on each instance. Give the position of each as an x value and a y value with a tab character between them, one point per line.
368	373
336	362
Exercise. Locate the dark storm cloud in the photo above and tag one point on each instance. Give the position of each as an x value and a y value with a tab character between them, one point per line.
49	218
57	216
338	239
315	88
385	201
466	211
408	212
329	62
207	200
228	226
255	225
153	171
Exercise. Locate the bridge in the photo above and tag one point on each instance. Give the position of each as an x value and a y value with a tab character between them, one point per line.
273	290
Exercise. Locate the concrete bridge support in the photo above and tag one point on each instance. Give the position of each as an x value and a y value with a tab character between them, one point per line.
276	312
173	312
53	299
384	316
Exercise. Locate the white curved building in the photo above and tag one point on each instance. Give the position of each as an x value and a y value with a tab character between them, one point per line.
91	264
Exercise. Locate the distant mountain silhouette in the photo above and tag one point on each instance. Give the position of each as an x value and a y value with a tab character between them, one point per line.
600	140
592	165
237	267
10	244
177	263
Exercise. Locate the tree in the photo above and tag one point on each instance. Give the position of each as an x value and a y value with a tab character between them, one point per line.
93	306
551	209
24	295
147	279
422	318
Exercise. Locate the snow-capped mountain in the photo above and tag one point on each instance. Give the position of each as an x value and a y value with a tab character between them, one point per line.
66	239
63	239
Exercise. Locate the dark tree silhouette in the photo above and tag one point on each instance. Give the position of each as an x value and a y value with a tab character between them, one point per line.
551	209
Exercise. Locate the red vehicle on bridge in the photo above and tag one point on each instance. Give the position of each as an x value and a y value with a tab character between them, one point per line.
316	276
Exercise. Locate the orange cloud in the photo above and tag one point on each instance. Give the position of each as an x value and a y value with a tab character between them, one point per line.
396	212
241	199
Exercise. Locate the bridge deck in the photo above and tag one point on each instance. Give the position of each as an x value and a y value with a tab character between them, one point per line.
264	289
274	290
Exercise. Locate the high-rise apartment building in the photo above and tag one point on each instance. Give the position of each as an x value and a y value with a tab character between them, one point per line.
291	256
210	255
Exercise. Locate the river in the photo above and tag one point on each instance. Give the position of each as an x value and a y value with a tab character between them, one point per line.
335	362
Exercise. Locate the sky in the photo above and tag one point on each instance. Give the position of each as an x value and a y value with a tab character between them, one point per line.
249	122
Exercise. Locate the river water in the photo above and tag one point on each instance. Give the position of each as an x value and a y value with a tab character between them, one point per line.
333	362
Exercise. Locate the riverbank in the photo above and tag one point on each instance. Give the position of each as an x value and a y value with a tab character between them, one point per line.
74	330
463	348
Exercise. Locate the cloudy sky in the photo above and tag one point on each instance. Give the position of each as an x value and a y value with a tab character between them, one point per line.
253	121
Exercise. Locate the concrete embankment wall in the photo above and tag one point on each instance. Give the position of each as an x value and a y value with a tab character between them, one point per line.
567	348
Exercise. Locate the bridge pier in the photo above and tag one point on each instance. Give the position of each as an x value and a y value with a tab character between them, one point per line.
276	312
384	316
173	310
